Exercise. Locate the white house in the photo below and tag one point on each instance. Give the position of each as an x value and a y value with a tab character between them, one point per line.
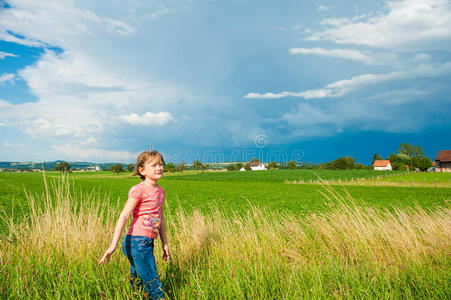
382	165
92	168
257	165
242	169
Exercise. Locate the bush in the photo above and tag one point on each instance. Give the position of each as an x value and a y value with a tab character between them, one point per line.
62	166
117	168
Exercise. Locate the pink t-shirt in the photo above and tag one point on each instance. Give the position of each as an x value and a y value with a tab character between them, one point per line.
148	211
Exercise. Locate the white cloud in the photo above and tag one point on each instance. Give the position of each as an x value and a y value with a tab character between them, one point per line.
408	25
67	70
307	115
6	54
44	127
422	57
5	104
117	63
339	53
389	111
324	7
342	87
77	96
89	140
76	152
48	22
8	77
148	118
335	21
156	14
320	93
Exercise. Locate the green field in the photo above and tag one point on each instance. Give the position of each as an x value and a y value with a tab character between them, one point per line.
201	191
421	177
233	235
286	174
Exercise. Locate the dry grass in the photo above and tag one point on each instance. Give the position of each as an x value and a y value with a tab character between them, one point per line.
350	234
213	251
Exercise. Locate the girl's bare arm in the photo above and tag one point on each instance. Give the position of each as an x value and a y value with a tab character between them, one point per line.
164	241
120	224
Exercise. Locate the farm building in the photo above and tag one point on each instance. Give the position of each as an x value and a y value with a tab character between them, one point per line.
257	165
92	168
382	165
442	162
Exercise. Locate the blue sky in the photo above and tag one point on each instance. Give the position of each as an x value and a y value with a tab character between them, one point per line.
103	80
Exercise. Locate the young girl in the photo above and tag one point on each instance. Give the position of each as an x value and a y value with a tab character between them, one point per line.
145	202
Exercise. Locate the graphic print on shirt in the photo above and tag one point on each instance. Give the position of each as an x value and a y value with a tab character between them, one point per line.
151	223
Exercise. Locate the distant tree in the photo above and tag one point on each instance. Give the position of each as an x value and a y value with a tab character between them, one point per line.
247	166
424	163
197	165
399	161
411	152
400	167
291	164
404	158
359	166
62	166
272	165
254	159
231	167
406	149
238	166
180	167
418	152
169	167
130	167
117	168
396	161
342	163
376	157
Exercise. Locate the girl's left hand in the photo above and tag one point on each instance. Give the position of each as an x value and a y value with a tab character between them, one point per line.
166	254
107	255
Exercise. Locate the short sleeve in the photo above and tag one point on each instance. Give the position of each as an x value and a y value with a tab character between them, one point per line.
163	194
135	193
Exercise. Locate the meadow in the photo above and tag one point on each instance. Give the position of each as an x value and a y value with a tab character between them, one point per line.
230	238
287	175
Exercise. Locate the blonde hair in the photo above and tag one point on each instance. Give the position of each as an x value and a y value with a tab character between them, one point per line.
144	158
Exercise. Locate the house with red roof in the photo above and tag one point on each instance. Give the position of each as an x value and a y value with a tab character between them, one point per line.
382	165
442	162
257	165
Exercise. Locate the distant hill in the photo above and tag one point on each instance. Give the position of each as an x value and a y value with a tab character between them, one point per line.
50	165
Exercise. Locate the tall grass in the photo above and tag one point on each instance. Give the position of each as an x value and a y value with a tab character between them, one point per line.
350	251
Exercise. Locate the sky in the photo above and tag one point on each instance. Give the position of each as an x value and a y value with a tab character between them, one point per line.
101	81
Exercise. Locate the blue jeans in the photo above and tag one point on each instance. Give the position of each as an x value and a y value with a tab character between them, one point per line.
143	270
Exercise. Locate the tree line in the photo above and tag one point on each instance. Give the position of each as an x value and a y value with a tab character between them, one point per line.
408	157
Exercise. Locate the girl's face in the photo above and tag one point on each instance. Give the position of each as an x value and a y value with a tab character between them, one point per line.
152	169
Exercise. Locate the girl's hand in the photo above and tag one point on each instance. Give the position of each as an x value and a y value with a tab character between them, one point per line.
166	254
107	255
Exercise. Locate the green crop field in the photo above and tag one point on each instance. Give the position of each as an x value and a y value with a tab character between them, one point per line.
285	174
233	235
421	177
230	196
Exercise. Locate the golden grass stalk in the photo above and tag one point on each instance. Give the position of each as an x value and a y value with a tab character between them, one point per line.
348	234
61	224
77	227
